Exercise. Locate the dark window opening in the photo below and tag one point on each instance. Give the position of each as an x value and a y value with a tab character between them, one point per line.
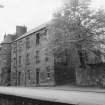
46	59
37	69
37	52
19	60
37	75
14	62
37	57
29	75
48	75
19	78
37	38
27	59
48	68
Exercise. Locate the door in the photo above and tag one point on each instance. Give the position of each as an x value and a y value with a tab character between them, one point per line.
37	76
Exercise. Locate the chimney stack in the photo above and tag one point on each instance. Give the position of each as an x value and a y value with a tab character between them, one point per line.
20	30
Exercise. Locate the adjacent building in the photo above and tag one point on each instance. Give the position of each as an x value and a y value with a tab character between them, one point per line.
5	65
5	56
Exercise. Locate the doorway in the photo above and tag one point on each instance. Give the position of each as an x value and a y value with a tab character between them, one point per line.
37	76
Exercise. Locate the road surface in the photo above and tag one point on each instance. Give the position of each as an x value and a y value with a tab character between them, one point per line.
70	97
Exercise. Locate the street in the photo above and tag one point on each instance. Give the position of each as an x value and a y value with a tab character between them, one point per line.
62	96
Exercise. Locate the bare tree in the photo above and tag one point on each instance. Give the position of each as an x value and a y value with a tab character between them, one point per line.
76	24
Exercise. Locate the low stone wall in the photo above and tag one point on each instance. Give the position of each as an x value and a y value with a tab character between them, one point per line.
91	76
12	100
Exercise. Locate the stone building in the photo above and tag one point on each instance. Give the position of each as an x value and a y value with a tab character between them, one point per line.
5	57
31	65
5	61
25	61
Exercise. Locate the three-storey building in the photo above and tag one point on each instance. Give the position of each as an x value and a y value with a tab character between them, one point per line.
31	65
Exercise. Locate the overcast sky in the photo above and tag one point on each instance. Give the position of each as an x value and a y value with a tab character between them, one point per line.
29	12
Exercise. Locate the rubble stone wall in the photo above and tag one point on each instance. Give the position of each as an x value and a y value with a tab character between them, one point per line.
91	76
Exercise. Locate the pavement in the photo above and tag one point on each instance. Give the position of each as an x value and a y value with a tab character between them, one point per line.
76	88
